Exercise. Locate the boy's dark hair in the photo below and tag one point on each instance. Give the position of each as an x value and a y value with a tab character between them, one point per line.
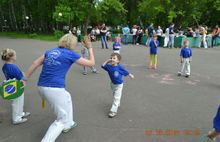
117	55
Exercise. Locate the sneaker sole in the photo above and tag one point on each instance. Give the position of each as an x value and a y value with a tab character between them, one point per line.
67	130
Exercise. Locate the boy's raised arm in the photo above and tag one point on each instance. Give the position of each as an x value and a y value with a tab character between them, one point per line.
106	62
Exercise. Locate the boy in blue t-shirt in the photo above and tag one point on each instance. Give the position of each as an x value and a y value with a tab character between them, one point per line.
153	52
185	59
116	72
11	71
117	45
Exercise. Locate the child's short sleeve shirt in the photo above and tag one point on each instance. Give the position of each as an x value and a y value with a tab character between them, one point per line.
116	73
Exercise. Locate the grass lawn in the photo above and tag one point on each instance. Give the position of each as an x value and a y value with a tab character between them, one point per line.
46	37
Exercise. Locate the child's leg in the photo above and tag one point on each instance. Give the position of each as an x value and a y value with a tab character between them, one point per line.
182	67
17	108
187	68
204	42
84	70
155	61
94	70
151	61
117	93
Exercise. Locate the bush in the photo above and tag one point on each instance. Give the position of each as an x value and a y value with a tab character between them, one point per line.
33	35
58	34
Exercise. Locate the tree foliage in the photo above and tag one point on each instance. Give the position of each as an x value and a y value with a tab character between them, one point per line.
44	15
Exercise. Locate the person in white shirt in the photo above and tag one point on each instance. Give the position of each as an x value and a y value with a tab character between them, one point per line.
166	39
159	33
134	33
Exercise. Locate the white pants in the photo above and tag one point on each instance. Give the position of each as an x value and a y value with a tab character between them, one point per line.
116	51
185	67
61	102
17	108
203	41
117	93
166	40
171	41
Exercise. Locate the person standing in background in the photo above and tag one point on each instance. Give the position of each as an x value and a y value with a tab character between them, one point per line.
103	32
78	33
159	33
166	39
126	32
134	33
171	36
150	32
215	35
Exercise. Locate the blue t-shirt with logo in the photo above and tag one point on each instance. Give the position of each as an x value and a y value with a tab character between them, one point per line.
12	71
115	45
116	73
56	64
126	30
153	47
186	52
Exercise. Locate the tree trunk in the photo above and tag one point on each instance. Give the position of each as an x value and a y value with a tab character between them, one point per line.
10	18
90	6
2	19
14	16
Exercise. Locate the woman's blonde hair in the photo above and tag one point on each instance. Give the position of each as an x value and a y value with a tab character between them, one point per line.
7	54
68	41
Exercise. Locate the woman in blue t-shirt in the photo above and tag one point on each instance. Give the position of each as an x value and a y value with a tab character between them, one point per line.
51	85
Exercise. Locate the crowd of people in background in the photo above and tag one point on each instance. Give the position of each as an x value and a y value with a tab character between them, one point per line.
165	35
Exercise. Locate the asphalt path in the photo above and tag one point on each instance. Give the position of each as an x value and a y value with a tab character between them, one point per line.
157	106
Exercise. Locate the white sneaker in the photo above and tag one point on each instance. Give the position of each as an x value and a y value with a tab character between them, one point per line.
20	121
26	114
112	114
68	129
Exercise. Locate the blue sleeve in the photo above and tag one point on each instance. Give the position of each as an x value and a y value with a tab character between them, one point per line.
123	71
190	52
13	72
106	67
19	74
74	56
157	43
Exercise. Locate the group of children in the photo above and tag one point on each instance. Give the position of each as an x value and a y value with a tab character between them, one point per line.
112	66
115	71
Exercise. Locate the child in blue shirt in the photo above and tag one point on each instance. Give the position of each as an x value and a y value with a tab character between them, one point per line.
153	52
12	71
117	45
116	72
185	59
214	134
